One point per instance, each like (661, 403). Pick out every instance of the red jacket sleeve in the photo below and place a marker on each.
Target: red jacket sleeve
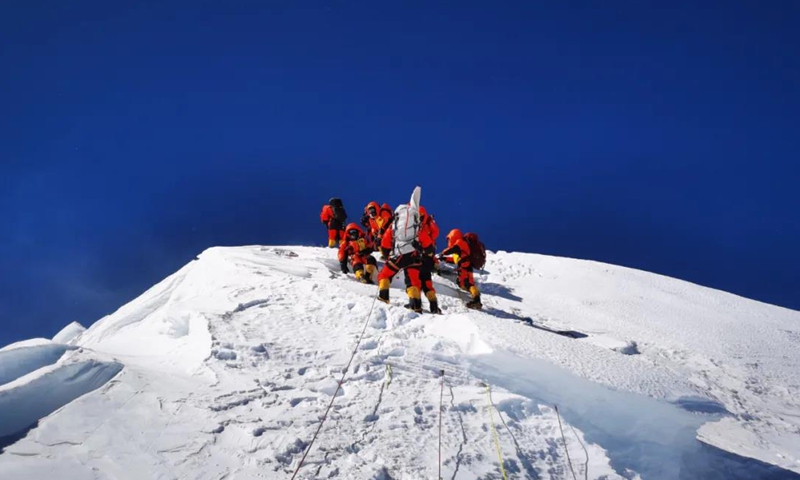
(387, 240)
(343, 251)
(460, 248)
(434, 229)
(425, 241)
(327, 214)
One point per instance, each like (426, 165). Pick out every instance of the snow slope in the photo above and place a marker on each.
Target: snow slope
(224, 369)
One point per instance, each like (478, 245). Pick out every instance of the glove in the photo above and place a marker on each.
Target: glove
(343, 264)
(429, 251)
(440, 257)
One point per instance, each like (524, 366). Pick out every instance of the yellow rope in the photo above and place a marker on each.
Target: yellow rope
(494, 431)
(388, 375)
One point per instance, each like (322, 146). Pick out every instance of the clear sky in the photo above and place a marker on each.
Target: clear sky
(663, 136)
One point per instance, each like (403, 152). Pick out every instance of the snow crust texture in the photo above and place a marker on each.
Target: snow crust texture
(225, 368)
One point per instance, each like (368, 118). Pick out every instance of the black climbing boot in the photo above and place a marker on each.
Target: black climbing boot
(435, 307)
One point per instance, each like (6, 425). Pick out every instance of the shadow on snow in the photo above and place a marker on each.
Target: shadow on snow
(651, 437)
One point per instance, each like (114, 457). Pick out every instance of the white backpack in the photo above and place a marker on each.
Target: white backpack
(406, 228)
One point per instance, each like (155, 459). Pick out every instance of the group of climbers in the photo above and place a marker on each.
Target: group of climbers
(406, 240)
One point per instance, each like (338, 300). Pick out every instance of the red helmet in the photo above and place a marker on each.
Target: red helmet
(422, 212)
(454, 235)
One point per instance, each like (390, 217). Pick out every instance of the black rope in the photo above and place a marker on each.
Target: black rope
(338, 387)
(586, 464)
(565, 444)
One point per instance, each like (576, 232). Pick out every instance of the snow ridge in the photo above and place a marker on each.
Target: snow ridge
(224, 369)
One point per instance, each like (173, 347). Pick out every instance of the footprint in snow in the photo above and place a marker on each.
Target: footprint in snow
(378, 319)
(259, 349)
(396, 352)
(224, 354)
(329, 387)
(297, 401)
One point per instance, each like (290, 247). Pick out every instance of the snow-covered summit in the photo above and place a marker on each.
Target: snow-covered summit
(224, 369)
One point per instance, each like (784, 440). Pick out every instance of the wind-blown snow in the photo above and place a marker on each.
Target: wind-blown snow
(69, 333)
(22, 358)
(29, 398)
(224, 369)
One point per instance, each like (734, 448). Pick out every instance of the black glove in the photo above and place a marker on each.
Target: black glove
(440, 257)
(343, 264)
(429, 251)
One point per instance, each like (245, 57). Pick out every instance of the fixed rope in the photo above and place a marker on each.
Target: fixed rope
(441, 396)
(338, 387)
(513, 437)
(558, 416)
(586, 452)
(388, 375)
(494, 431)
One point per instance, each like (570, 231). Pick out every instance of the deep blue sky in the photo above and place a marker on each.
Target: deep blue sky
(133, 134)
